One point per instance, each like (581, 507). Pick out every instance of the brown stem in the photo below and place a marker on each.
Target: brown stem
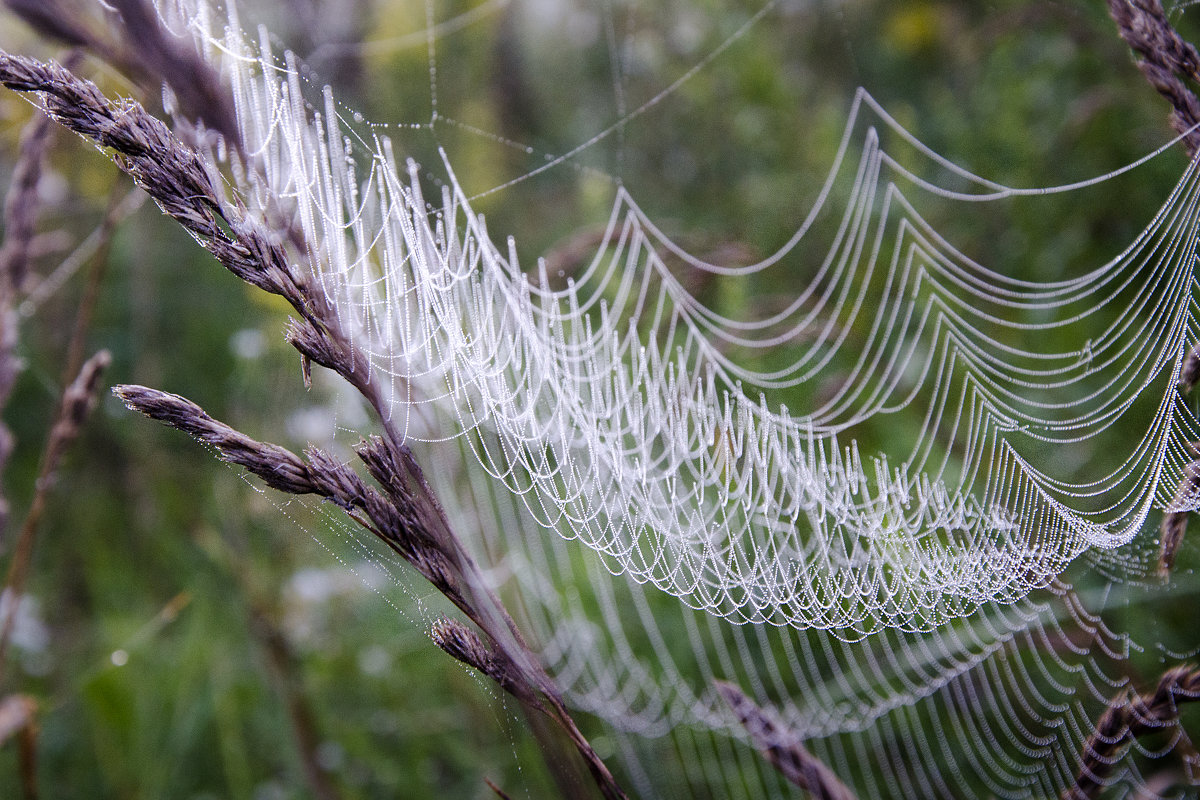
(77, 401)
(18, 717)
(1168, 62)
(402, 520)
(27, 756)
(1174, 524)
(783, 749)
(183, 184)
(300, 715)
(133, 41)
(91, 292)
(496, 790)
(16, 712)
(282, 663)
(21, 207)
(1125, 719)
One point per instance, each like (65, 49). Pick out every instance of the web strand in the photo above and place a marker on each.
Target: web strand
(621, 440)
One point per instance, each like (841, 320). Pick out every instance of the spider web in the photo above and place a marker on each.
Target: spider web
(894, 506)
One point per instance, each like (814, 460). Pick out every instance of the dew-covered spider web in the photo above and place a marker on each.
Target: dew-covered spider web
(896, 491)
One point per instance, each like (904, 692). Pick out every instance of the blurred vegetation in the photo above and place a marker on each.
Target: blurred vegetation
(157, 572)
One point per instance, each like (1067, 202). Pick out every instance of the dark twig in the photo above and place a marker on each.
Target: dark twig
(91, 292)
(401, 522)
(16, 711)
(174, 175)
(128, 35)
(465, 645)
(162, 58)
(408, 518)
(500, 793)
(89, 251)
(53, 20)
(1189, 372)
(1174, 524)
(76, 402)
(1126, 719)
(27, 756)
(317, 473)
(18, 717)
(783, 749)
(1167, 61)
(21, 206)
(282, 662)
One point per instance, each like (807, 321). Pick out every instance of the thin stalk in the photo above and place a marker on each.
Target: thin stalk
(74, 407)
(407, 516)
(1125, 719)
